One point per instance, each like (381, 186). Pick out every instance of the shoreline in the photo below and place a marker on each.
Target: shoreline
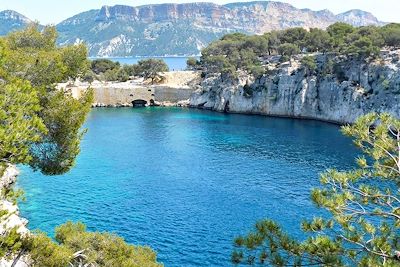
(176, 105)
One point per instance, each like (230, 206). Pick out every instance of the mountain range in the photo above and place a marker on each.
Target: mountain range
(180, 29)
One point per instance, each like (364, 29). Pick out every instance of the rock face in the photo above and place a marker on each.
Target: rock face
(184, 29)
(340, 91)
(11, 20)
(180, 29)
(358, 17)
(12, 218)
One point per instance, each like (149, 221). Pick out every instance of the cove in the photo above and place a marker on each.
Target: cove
(186, 182)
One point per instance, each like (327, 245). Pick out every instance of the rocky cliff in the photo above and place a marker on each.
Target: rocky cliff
(184, 29)
(11, 20)
(180, 29)
(339, 90)
(12, 218)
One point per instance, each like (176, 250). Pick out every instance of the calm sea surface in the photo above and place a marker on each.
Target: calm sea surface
(186, 182)
(174, 63)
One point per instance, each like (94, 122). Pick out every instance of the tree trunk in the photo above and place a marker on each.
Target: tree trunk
(18, 257)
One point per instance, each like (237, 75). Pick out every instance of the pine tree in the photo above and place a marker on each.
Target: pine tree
(363, 228)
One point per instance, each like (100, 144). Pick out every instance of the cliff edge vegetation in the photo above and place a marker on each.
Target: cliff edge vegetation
(334, 75)
(238, 51)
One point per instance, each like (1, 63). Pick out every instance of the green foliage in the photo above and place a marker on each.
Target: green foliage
(294, 36)
(32, 39)
(11, 242)
(273, 41)
(257, 71)
(339, 32)
(108, 70)
(364, 42)
(238, 51)
(234, 52)
(99, 66)
(288, 49)
(45, 252)
(63, 116)
(391, 34)
(76, 246)
(74, 59)
(192, 63)
(151, 68)
(120, 75)
(364, 206)
(21, 125)
(40, 124)
(12, 195)
(89, 76)
(318, 40)
(131, 70)
(309, 64)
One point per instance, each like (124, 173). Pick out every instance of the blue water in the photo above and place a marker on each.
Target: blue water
(186, 182)
(174, 63)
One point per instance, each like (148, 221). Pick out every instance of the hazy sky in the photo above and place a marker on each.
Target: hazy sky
(54, 11)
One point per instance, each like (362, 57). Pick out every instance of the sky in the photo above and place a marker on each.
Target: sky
(54, 11)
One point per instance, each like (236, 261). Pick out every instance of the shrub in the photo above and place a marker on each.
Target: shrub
(192, 63)
(89, 76)
(151, 68)
(309, 64)
(99, 66)
(75, 246)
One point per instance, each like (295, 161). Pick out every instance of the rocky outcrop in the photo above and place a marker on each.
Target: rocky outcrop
(12, 218)
(340, 90)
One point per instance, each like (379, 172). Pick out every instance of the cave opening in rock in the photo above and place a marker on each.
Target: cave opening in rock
(137, 103)
(226, 108)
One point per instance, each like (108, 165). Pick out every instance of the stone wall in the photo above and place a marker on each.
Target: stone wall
(171, 94)
(177, 86)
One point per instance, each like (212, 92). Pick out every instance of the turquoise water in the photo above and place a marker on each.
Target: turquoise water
(174, 63)
(186, 182)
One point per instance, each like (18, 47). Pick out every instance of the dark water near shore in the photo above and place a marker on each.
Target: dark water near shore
(186, 182)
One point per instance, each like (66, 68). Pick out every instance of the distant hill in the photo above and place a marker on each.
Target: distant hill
(11, 20)
(184, 29)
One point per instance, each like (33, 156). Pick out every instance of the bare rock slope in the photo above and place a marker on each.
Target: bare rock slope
(184, 29)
